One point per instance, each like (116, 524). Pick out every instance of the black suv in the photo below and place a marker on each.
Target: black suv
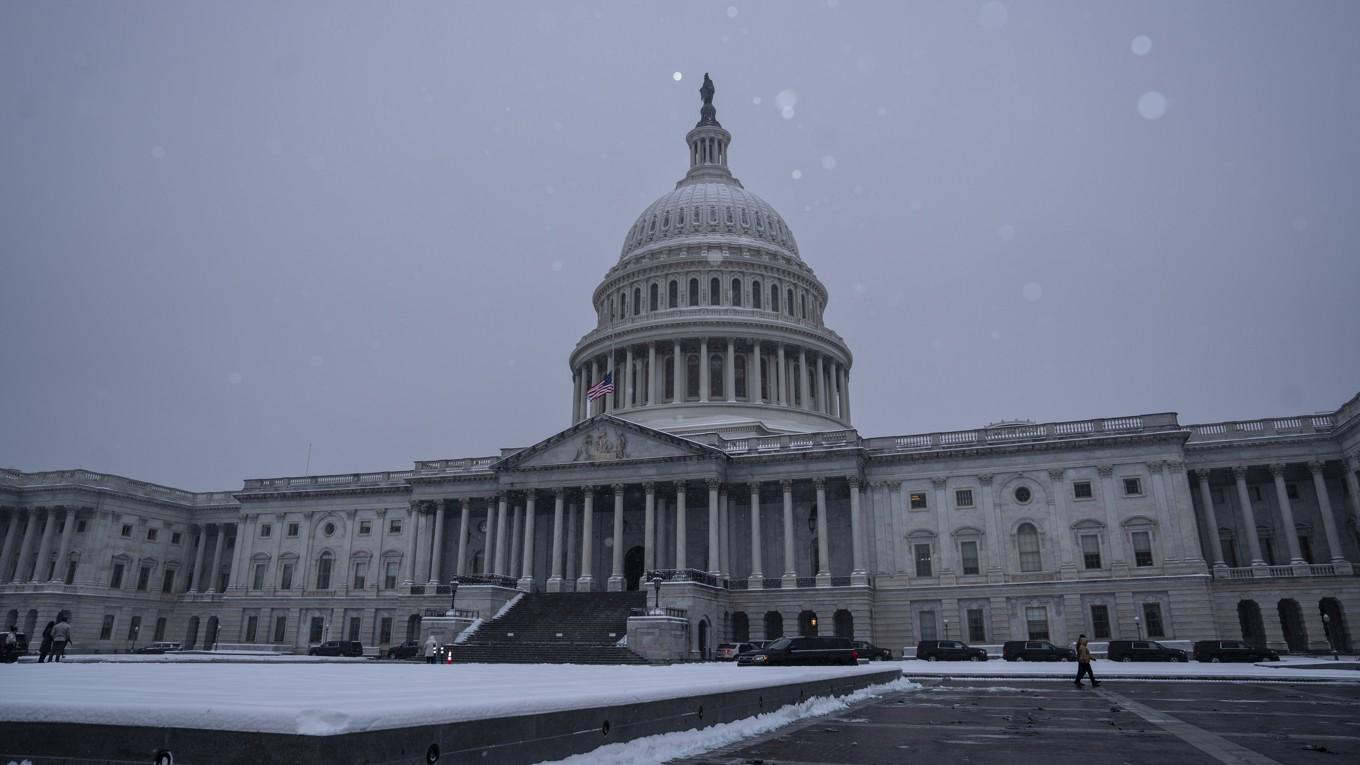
(1035, 650)
(338, 648)
(870, 651)
(407, 650)
(1231, 650)
(802, 650)
(1142, 650)
(948, 650)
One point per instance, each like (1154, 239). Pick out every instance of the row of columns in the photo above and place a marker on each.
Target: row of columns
(833, 390)
(25, 564)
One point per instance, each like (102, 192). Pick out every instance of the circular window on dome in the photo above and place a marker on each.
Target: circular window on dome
(330, 529)
(1022, 494)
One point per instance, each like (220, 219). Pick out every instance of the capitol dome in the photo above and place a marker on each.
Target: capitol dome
(711, 322)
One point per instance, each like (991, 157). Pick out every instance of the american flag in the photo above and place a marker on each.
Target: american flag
(602, 388)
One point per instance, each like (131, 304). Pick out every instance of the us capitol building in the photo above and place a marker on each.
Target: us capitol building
(726, 462)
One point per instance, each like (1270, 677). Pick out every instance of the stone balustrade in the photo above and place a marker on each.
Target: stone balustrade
(91, 479)
(1284, 426)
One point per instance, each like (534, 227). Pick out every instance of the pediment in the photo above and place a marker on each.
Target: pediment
(603, 439)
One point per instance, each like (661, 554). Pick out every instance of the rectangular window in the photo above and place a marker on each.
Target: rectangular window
(1142, 548)
(292, 529)
(80, 526)
(134, 627)
(1229, 551)
(927, 627)
(286, 577)
(977, 626)
(365, 528)
(127, 530)
(1030, 559)
(385, 630)
(918, 500)
(168, 581)
(151, 534)
(176, 538)
(1090, 550)
(390, 575)
(1133, 487)
(280, 628)
(252, 623)
(963, 497)
(394, 526)
(353, 628)
(159, 634)
(323, 573)
(1267, 551)
(1082, 490)
(1255, 492)
(71, 572)
(1152, 619)
(314, 632)
(106, 629)
(968, 552)
(1036, 622)
(257, 578)
(116, 582)
(1291, 490)
(923, 560)
(266, 530)
(1100, 622)
(1306, 548)
(360, 577)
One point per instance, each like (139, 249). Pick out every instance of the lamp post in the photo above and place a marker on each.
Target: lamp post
(1138, 626)
(946, 629)
(1327, 630)
(453, 596)
(656, 603)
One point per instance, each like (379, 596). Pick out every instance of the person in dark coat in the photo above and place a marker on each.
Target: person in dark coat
(9, 645)
(1084, 662)
(61, 636)
(45, 649)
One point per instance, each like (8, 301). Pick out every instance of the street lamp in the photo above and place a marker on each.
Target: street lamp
(453, 595)
(946, 629)
(1138, 625)
(1327, 630)
(656, 603)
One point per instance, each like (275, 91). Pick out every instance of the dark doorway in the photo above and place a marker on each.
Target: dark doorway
(844, 622)
(632, 567)
(1253, 626)
(703, 640)
(1334, 619)
(807, 623)
(741, 627)
(774, 625)
(210, 634)
(1291, 623)
(191, 633)
(413, 627)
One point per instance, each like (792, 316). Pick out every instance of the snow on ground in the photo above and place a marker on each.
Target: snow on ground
(1287, 668)
(326, 699)
(220, 657)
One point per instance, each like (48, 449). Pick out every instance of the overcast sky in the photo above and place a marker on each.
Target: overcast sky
(229, 230)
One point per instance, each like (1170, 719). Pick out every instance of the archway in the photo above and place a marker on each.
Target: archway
(30, 622)
(1291, 623)
(1252, 625)
(632, 567)
(703, 640)
(1335, 622)
(774, 625)
(413, 627)
(12, 619)
(191, 633)
(210, 634)
(741, 627)
(844, 623)
(807, 623)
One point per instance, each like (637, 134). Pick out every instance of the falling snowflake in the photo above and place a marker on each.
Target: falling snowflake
(1006, 232)
(797, 174)
(677, 76)
(1032, 291)
(1152, 105)
(731, 11)
(1142, 45)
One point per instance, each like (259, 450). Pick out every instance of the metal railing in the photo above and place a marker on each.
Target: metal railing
(497, 580)
(678, 613)
(686, 575)
(1282, 572)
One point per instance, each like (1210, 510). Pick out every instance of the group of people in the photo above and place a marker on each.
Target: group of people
(55, 637)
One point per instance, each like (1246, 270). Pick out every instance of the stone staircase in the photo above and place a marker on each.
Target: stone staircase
(557, 628)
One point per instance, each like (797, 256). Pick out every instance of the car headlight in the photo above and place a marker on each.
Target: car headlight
(760, 659)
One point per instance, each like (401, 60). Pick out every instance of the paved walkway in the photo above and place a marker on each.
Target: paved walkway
(1051, 722)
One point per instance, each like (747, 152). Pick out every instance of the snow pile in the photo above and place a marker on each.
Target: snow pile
(1290, 668)
(468, 631)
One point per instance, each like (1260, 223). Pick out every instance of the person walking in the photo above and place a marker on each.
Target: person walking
(61, 637)
(431, 645)
(1084, 662)
(45, 648)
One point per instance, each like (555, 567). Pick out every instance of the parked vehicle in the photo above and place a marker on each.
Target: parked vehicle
(802, 650)
(870, 651)
(1142, 650)
(408, 650)
(730, 651)
(1231, 650)
(1035, 650)
(948, 650)
(159, 647)
(338, 648)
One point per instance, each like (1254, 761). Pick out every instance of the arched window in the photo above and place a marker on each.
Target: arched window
(729, 215)
(692, 376)
(760, 225)
(796, 381)
(745, 219)
(741, 627)
(1027, 541)
(697, 217)
(739, 371)
(716, 387)
(673, 295)
(694, 292)
(680, 217)
(765, 381)
(736, 292)
(713, 214)
(807, 623)
(814, 384)
(666, 220)
(323, 571)
(668, 378)
(774, 625)
(637, 300)
(802, 303)
(844, 622)
(652, 227)
(788, 303)
(755, 294)
(652, 297)
(774, 298)
(623, 303)
(611, 308)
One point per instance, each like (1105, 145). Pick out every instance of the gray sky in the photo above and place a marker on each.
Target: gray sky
(231, 229)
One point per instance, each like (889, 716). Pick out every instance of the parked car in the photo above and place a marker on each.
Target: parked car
(338, 648)
(730, 651)
(1232, 650)
(1035, 650)
(802, 650)
(408, 650)
(870, 651)
(948, 650)
(1142, 650)
(160, 646)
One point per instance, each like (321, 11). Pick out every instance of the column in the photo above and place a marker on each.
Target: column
(614, 377)
(488, 542)
(996, 547)
(421, 552)
(790, 563)
(858, 574)
(1248, 514)
(7, 551)
(757, 579)
(678, 371)
(502, 567)
(576, 395)
(1114, 533)
(845, 395)
(730, 372)
(465, 511)
(593, 407)
(26, 547)
(802, 402)
(1183, 505)
(516, 537)
(585, 582)
(942, 525)
(724, 549)
(782, 389)
(821, 387)
(651, 374)
(437, 544)
(68, 518)
(195, 574)
(1206, 500)
(570, 570)
(704, 392)
(615, 583)
(45, 546)
(680, 531)
(1057, 499)
(1349, 467)
(239, 576)
(217, 558)
(555, 578)
(628, 399)
(1172, 543)
(649, 530)
(714, 562)
(755, 376)
(526, 573)
(1291, 531)
(823, 544)
(1328, 520)
(833, 398)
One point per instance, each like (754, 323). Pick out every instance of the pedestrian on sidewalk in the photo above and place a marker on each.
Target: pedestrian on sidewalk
(1084, 662)
(61, 636)
(431, 646)
(45, 648)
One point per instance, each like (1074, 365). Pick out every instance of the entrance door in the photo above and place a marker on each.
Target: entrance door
(632, 567)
